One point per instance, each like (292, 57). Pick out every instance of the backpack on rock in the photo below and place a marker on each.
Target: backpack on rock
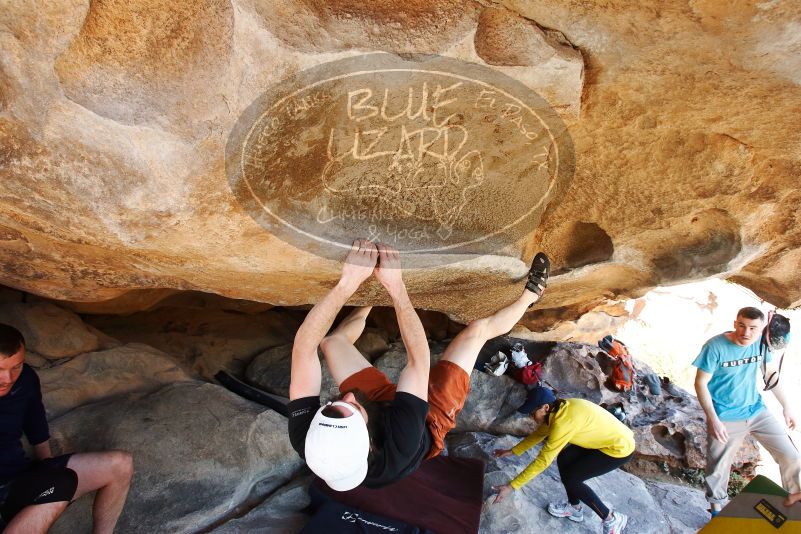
(623, 372)
(528, 375)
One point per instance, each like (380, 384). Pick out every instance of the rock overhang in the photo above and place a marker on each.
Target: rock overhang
(684, 167)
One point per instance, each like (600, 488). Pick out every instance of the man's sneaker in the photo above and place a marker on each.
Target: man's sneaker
(615, 523)
(565, 509)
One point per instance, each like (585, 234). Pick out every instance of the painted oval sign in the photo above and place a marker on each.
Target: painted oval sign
(429, 154)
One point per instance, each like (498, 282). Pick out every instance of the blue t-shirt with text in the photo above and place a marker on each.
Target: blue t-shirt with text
(734, 370)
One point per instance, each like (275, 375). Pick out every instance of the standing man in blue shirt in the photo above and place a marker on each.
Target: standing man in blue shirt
(726, 384)
(34, 493)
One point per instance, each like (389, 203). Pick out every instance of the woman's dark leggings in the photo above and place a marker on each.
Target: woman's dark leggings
(576, 465)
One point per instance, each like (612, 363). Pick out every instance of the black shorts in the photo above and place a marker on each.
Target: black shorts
(45, 482)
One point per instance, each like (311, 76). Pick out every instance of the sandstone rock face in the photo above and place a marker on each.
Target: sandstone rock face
(114, 119)
(504, 38)
(114, 42)
(199, 451)
(143, 300)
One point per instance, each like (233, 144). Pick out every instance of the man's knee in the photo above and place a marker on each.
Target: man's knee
(791, 463)
(105, 467)
(330, 343)
(121, 464)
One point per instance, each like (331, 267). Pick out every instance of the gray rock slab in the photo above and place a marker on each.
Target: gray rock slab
(524, 511)
(199, 453)
(685, 507)
(270, 371)
(95, 376)
(280, 513)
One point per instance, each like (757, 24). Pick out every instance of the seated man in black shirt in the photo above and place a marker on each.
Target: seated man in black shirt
(34, 494)
(378, 432)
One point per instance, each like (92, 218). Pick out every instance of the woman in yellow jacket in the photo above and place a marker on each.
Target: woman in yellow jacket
(586, 441)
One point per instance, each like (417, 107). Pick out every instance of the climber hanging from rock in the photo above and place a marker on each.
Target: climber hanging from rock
(378, 432)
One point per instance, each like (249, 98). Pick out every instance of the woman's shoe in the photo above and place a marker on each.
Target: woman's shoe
(565, 509)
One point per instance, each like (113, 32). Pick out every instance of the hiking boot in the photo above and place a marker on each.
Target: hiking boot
(615, 523)
(565, 509)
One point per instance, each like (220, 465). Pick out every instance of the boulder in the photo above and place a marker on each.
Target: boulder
(96, 376)
(490, 407)
(271, 369)
(280, 513)
(207, 338)
(372, 343)
(38, 362)
(524, 511)
(49, 330)
(199, 453)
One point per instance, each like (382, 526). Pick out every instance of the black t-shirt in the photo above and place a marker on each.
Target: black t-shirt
(21, 410)
(402, 443)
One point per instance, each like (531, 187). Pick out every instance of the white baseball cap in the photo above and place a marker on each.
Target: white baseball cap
(337, 448)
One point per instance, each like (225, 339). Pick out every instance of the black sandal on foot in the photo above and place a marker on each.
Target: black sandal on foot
(538, 274)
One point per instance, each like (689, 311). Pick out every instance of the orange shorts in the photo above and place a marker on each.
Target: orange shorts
(448, 386)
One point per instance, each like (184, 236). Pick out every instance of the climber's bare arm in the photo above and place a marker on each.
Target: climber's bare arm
(306, 374)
